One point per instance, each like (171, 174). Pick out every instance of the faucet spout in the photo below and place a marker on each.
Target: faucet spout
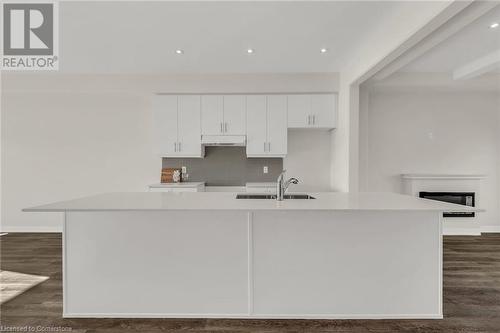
(282, 185)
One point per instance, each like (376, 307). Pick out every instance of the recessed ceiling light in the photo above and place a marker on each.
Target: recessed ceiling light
(323, 50)
(494, 25)
(179, 51)
(249, 51)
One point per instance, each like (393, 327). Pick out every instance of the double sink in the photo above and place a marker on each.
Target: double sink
(273, 196)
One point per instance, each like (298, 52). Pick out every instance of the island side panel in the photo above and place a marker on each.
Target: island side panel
(156, 264)
(351, 264)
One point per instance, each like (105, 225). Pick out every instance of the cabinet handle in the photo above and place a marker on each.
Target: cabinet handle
(225, 127)
(221, 130)
(180, 149)
(175, 146)
(265, 147)
(269, 146)
(314, 119)
(309, 120)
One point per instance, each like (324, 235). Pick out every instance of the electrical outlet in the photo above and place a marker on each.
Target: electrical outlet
(184, 169)
(266, 170)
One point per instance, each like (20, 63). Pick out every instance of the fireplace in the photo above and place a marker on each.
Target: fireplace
(460, 198)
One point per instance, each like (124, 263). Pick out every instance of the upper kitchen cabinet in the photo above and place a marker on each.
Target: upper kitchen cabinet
(223, 115)
(266, 126)
(189, 126)
(312, 111)
(177, 125)
(235, 115)
(212, 115)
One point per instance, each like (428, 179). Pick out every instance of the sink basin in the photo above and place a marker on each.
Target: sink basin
(298, 196)
(273, 196)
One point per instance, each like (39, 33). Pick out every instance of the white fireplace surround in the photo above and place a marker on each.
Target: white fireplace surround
(413, 184)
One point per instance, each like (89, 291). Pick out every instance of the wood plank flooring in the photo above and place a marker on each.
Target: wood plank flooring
(471, 296)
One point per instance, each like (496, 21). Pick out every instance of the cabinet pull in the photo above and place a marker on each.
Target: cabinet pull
(265, 147)
(221, 130)
(180, 149)
(309, 120)
(225, 127)
(314, 119)
(269, 146)
(175, 146)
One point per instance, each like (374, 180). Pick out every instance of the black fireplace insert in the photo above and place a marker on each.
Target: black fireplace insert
(460, 198)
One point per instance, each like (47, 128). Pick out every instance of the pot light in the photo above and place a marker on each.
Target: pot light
(179, 51)
(249, 51)
(323, 50)
(494, 25)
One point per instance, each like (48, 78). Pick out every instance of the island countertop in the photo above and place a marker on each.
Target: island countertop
(335, 201)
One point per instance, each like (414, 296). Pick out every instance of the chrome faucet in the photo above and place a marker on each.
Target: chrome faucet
(282, 185)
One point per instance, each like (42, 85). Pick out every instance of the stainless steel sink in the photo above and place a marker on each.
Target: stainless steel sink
(273, 196)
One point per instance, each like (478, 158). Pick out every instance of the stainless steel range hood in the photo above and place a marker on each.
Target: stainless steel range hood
(224, 140)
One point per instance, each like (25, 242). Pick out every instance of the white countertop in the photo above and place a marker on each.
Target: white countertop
(219, 188)
(129, 201)
(440, 176)
(174, 185)
(265, 184)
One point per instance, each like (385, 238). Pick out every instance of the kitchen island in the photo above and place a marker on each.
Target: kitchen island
(209, 255)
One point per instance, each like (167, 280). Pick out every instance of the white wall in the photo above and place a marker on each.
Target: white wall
(401, 30)
(426, 131)
(340, 146)
(149, 84)
(63, 146)
(498, 168)
(68, 136)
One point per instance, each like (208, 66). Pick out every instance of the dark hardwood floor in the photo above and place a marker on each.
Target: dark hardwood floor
(471, 296)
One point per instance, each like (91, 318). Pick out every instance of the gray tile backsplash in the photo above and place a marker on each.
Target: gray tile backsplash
(227, 166)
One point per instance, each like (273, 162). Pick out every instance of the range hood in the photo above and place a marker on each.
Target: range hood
(224, 140)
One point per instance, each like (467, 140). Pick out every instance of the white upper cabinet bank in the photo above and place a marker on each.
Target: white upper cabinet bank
(177, 125)
(180, 121)
(312, 111)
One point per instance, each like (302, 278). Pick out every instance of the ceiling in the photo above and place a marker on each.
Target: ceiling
(471, 43)
(141, 37)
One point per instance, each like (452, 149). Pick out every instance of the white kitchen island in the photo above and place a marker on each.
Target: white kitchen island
(341, 255)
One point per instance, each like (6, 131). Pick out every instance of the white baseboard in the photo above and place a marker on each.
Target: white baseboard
(461, 232)
(254, 316)
(490, 228)
(5, 228)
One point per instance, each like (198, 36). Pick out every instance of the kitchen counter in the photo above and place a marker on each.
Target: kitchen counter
(330, 201)
(210, 255)
(177, 185)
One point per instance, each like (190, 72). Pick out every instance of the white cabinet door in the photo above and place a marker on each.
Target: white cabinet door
(189, 126)
(323, 110)
(212, 115)
(234, 114)
(312, 111)
(256, 125)
(277, 125)
(165, 125)
(299, 111)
